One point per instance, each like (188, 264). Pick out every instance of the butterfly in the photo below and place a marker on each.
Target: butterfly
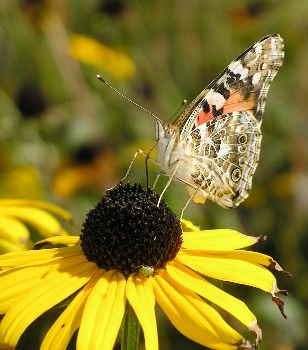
(213, 146)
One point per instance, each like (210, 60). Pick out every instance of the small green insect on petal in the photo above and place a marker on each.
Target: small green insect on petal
(146, 270)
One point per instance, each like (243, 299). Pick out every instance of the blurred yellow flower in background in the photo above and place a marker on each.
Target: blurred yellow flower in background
(23, 181)
(93, 166)
(88, 50)
(16, 213)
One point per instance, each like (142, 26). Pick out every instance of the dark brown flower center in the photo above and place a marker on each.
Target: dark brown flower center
(126, 231)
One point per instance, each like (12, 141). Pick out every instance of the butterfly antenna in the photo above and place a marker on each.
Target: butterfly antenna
(100, 78)
(181, 106)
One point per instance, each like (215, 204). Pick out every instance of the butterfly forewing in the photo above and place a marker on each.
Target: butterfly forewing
(217, 145)
(243, 85)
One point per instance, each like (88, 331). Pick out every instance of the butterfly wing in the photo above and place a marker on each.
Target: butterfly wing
(223, 123)
(243, 85)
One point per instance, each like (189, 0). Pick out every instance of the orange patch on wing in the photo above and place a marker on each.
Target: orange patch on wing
(236, 103)
(204, 117)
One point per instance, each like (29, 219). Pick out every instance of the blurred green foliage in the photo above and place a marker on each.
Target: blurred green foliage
(65, 137)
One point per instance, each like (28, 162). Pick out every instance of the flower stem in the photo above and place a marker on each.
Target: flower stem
(130, 330)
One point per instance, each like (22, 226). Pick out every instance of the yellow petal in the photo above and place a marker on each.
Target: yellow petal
(16, 283)
(49, 293)
(192, 316)
(69, 321)
(196, 197)
(7, 246)
(44, 222)
(13, 230)
(139, 292)
(37, 257)
(249, 256)
(39, 204)
(103, 313)
(189, 226)
(90, 51)
(190, 280)
(58, 240)
(222, 239)
(225, 269)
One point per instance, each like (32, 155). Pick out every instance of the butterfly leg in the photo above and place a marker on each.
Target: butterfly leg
(168, 183)
(131, 164)
(157, 178)
(187, 203)
(147, 157)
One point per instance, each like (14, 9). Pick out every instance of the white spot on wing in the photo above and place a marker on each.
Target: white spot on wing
(244, 73)
(233, 66)
(223, 150)
(258, 48)
(216, 99)
(273, 47)
(237, 68)
(256, 78)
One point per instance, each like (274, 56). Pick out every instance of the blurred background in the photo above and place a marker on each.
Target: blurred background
(65, 137)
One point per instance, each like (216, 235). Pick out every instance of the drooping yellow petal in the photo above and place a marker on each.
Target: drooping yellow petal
(41, 220)
(190, 280)
(69, 321)
(41, 299)
(90, 51)
(222, 239)
(13, 230)
(192, 316)
(140, 294)
(226, 269)
(58, 240)
(37, 257)
(39, 204)
(103, 313)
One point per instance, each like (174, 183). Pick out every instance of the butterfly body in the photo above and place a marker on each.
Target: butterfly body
(213, 147)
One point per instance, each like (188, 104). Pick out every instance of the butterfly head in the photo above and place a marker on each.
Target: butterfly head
(165, 131)
(167, 136)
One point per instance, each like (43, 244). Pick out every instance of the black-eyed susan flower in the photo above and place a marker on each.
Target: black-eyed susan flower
(133, 254)
(15, 213)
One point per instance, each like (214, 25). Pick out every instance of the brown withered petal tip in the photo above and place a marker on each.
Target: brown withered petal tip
(258, 331)
(274, 265)
(245, 344)
(283, 292)
(280, 305)
(261, 238)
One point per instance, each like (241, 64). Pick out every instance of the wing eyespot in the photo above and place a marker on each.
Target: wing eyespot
(242, 139)
(242, 149)
(242, 161)
(236, 174)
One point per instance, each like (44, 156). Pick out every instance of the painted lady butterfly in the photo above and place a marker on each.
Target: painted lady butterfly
(213, 147)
